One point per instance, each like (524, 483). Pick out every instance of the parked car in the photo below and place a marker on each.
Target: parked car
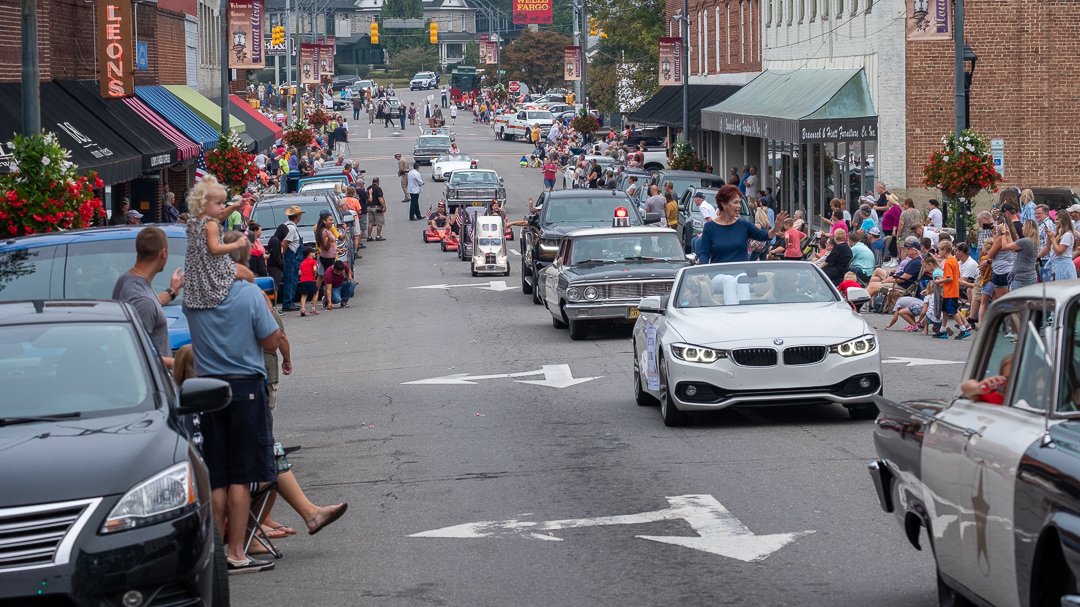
(423, 81)
(754, 333)
(270, 213)
(681, 180)
(1055, 198)
(600, 275)
(990, 470)
(106, 500)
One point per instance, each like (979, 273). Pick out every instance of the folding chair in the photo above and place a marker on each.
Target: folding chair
(260, 503)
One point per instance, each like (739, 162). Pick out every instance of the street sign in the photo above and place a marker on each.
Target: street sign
(142, 56)
(514, 86)
(494, 285)
(718, 531)
(997, 152)
(555, 376)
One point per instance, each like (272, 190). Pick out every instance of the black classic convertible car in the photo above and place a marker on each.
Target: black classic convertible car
(993, 475)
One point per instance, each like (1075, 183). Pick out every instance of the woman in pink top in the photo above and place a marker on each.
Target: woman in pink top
(793, 238)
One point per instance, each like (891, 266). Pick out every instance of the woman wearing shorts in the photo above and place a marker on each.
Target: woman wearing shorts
(324, 236)
(1001, 260)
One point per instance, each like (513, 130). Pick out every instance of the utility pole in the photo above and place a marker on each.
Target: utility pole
(577, 42)
(224, 67)
(31, 74)
(289, 47)
(685, 52)
(584, 54)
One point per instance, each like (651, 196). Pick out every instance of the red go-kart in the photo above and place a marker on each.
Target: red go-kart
(449, 242)
(433, 234)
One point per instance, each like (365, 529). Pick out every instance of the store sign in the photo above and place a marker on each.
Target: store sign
(116, 52)
(671, 67)
(837, 132)
(571, 63)
(792, 131)
(160, 160)
(246, 35)
(528, 12)
(142, 56)
(929, 20)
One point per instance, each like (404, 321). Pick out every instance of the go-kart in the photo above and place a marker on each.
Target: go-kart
(449, 242)
(433, 234)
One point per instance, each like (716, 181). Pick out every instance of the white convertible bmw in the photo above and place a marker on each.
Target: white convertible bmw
(447, 163)
(750, 334)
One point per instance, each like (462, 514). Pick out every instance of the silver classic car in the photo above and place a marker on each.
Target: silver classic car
(600, 275)
(474, 188)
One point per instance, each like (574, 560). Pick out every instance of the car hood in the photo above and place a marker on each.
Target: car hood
(630, 271)
(725, 326)
(562, 229)
(179, 332)
(453, 164)
(82, 458)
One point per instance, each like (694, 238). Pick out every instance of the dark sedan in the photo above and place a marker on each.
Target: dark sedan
(600, 275)
(992, 473)
(106, 500)
(430, 147)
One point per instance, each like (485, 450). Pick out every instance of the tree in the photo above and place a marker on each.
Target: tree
(632, 31)
(472, 54)
(416, 59)
(536, 58)
(402, 9)
(395, 40)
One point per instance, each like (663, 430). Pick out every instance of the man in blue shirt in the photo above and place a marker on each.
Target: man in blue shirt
(228, 343)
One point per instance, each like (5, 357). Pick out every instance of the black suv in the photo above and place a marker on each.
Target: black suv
(560, 212)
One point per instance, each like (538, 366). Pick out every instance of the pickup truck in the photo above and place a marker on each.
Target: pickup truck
(556, 214)
(516, 126)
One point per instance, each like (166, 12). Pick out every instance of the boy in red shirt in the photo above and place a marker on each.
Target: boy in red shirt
(950, 290)
(307, 287)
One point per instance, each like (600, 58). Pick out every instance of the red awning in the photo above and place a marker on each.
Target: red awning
(257, 115)
(186, 148)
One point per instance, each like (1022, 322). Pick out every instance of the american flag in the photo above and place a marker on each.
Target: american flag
(200, 168)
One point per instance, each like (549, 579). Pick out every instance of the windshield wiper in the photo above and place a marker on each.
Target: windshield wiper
(9, 421)
(589, 261)
(643, 258)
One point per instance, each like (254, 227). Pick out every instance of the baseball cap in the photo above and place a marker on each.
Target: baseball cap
(324, 213)
(134, 214)
(912, 245)
(700, 195)
(1073, 209)
(293, 210)
(875, 231)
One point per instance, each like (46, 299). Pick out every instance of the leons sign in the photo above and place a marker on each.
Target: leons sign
(116, 52)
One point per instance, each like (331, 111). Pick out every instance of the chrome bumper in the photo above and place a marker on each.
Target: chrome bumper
(879, 473)
(601, 311)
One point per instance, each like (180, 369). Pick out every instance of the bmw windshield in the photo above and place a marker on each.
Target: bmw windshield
(718, 285)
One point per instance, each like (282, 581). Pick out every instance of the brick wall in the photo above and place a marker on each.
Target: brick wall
(172, 47)
(147, 31)
(1024, 89)
(71, 33)
(735, 40)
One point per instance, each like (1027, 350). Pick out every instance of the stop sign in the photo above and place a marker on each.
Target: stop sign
(515, 86)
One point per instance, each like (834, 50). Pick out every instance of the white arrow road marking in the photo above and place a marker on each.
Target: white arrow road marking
(719, 532)
(920, 362)
(494, 285)
(555, 376)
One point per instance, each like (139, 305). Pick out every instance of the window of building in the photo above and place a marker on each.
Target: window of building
(839, 8)
(716, 36)
(854, 7)
(825, 9)
(727, 17)
(869, 5)
(742, 31)
(813, 10)
(768, 13)
(790, 11)
(703, 17)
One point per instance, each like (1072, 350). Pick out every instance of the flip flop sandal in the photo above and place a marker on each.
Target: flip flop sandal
(335, 515)
(279, 532)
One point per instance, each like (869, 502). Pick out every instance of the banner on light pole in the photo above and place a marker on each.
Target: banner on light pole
(572, 63)
(246, 35)
(309, 63)
(670, 68)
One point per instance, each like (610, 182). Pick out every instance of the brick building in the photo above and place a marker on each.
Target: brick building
(1023, 91)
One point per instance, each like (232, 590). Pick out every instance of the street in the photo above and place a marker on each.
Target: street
(518, 426)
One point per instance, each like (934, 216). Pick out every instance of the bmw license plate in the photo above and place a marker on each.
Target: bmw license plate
(633, 313)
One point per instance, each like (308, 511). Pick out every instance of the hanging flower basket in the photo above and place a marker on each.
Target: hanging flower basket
(299, 135)
(684, 158)
(962, 167)
(319, 119)
(42, 192)
(233, 166)
(585, 123)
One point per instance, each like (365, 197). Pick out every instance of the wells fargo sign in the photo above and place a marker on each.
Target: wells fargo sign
(527, 12)
(116, 49)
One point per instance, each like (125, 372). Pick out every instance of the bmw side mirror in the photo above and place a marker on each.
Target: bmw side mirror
(859, 295)
(203, 395)
(651, 305)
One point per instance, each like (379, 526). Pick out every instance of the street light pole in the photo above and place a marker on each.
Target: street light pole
(31, 74)
(685, 51)
(224, 67)
(960, 111)
(584, 55)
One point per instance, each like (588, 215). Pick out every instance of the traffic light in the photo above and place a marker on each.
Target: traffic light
(433, 33)
(374, 32)
(594, 29)
(277, 35)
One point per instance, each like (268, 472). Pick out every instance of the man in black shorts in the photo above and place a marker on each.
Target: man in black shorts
(228, 343)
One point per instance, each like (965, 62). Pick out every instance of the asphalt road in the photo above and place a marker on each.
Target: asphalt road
(414, 458)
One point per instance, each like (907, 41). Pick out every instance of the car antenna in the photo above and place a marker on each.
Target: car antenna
(1046, 441)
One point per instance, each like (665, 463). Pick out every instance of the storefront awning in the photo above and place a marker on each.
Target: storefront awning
(260, 127)
(157, 151)
(665, 108)
(798, 106)
(93, 145)
(206, 109)
(179, 115)
(186, 149)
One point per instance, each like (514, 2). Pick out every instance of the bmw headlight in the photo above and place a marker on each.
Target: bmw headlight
(863, 344)
(162, 496)
(573, 294)
(591, 293)
(697, 354)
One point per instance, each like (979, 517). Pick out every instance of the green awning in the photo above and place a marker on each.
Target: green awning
(798, 106)
(204, 108)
